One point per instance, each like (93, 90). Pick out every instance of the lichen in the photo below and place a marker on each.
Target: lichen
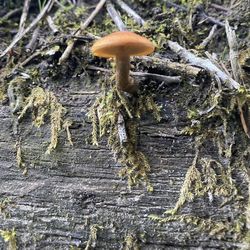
(10, 237)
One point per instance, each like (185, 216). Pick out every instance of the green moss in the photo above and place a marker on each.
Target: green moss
(131, 242)
(4, 204)
(10, 237)
(92, 236)
(219, 228)
(104, 116)
(44, 103)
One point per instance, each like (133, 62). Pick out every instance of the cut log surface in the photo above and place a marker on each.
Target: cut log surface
(75, 187)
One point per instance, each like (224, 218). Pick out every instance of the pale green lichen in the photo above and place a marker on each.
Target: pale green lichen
(9, 236)
(4, 204)
(131, 242)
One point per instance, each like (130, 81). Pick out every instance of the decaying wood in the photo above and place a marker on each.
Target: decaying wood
(204, 63)
(115, 16)
(74, 198)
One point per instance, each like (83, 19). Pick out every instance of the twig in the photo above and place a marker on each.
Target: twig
(209, 37)
(32, 43)
(236, 69)
(10, 14)
(29, 28)
(23, 17)
(233, 53)
(115, 16)
(27, 60)
(211, 19)
(203, 63)
(52, 25)
(167, 79)
(122, 129)
(71, 43)
(202, 14)
(131, 12)
(219, 7)
(166, 64)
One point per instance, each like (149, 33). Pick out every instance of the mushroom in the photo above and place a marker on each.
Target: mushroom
(121, 45)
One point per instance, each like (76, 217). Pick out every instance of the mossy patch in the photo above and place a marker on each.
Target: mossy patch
(104, 116)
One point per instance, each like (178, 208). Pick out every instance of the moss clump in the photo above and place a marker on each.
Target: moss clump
(92, 236)
(44, 103)
(131, 243)
(4, 204)
(10, 237)
(216, 228)
(104, 116)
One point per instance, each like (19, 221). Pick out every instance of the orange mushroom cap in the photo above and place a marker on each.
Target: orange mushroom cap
(122, 43)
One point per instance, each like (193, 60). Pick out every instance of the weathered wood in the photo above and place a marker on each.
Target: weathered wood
(74, 187)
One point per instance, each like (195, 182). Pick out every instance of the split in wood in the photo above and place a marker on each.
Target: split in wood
(167, 79)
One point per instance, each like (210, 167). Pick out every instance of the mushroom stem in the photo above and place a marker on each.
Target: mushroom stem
(122, 74)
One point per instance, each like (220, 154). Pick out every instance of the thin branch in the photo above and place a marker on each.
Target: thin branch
(32, 43)
(10, 14)
(203, 63)
(166, 64)
(209, 37)
(23, 16)
(115, 16)
(233, 52)
(131, 12)
(211, 19)
(29, 28)
(71, 43)
(219, 7)
(167, 79)
(236, 69)
(52, 25)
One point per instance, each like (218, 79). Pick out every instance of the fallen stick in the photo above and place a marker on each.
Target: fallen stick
(237, 74)
(166, 64)
(203, 63)
(167, 79)
(23, 17)
(131, 12)
(71, 43)
(29, 28)
(52, 25)
(32, 43)
(115, 16)
(209, 37)
(10, 14)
